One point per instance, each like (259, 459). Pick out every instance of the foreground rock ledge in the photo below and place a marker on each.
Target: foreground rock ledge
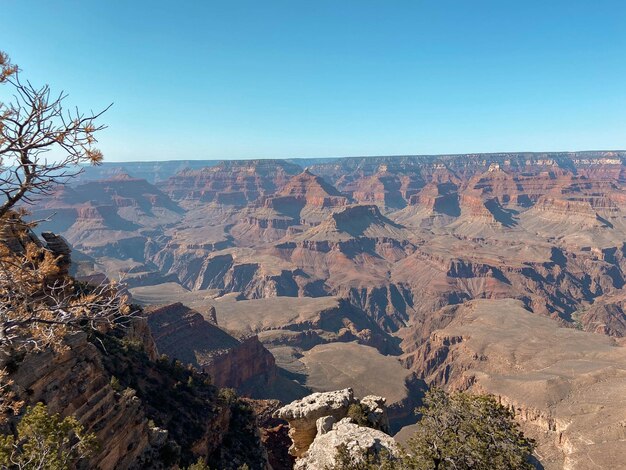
(325, 413)
(303, 415)
(321, 453)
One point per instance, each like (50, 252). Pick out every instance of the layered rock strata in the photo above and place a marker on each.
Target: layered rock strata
(564, 385)
(184, 334)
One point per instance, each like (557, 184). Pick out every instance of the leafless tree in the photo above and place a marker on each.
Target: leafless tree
(38, 307)
(33, 124)
(39, 302)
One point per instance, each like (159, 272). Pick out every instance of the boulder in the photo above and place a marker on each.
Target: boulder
(303, 415)
(357, 439)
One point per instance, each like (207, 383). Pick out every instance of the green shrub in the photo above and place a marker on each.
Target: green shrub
(46, 442)
(115, 384)
(199, 465)
(457, 431)
(358, 414)
(228, 396)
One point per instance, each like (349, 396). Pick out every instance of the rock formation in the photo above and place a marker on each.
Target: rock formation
(318, 424)
(561, 382)
(303, 415)
(182, 333)
(76, 382)
(233, 183)
(357, 439)
(190, 422)
(60, 249)
(320, 413)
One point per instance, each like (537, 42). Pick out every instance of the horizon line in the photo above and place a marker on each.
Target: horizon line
(373, 156)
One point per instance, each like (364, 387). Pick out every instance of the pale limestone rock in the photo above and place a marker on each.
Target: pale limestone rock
(321, 453)
(325, 424)
(376, 411)
(303, 415)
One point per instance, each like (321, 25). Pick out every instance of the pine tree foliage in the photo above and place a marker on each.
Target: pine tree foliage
(457, 431)
(46, 442)
(465, 431)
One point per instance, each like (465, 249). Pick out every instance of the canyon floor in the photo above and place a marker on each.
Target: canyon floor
(497, 273)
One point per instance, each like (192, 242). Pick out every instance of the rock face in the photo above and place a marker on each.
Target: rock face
(60, 249)
(308, 189)
(606, 316)
(376, 411)
(184, 334)
(318, 425)
(79, 382)
(274, 434)
(14, 235)
(304, 201)
(248, 367)
(234, 183)
(76, 382)
(321, 453)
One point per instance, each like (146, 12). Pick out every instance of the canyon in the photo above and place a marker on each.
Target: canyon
(496, 273)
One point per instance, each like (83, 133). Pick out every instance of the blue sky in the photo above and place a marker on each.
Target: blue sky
(246, 79)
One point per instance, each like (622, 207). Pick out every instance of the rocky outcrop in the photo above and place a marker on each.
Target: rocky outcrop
(311, 190)
(303, 414)
(138, 330)
(304, 201)
(357, 439)
(15, 235)
(319, 423)
(388, 306)
(274, 433)
(320, 413)
(389, 187)
(183, 334)
(246, 367)
(374, 408)
(77, 383)
(60, 249)
(145, 414)
(606, 316)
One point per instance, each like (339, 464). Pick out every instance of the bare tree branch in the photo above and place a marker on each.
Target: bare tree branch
(34, 123)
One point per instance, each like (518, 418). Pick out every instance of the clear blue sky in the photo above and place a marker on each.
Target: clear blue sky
(244, 79)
